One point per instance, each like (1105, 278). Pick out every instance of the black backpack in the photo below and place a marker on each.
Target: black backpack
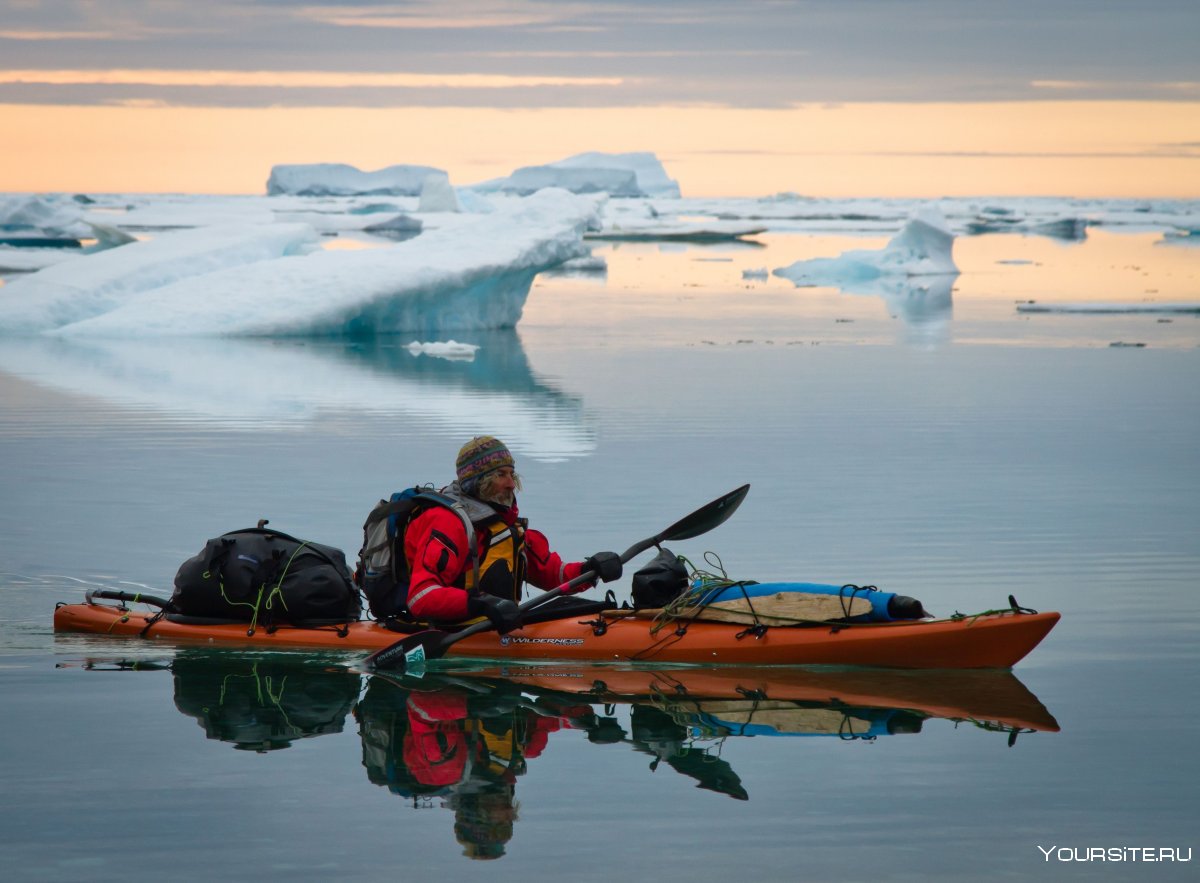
(267, 578)
(660, 582)
(383, 572)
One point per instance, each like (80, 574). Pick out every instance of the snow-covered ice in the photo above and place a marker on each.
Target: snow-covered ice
(77, 290)
(474, 274)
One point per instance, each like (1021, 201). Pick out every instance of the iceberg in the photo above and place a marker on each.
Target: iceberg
(339, 179)
(471, 275)
(923, 248)
(617, 174)
(651, 177)
(614, 182)
(88, 286)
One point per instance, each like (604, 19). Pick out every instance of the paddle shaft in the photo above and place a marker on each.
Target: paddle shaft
(586, 577)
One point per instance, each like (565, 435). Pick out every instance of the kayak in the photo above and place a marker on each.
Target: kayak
(995, 639)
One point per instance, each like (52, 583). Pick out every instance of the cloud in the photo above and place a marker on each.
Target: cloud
(294, 79)
(440, 16)
(1109, 86)
(47, 35)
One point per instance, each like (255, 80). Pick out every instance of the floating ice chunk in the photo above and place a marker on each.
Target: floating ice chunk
(108, 236)
(663, 231)
(471, 275)
(80, 289)
(448, 349)
(50, 216)
(996, 220)
(590, 263)
(437, 195)
(374, 208)
(923, 248)
(400, 227)
(755, 273)
(339, 179)
(1109, 308)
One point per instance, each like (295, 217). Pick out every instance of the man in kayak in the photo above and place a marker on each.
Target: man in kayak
(450, 582)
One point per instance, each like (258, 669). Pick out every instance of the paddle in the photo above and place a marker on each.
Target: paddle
(433, 644)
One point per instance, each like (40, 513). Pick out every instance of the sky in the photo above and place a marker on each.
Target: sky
(821, 97)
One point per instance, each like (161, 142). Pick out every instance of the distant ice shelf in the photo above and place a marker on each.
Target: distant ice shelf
(1107, 308)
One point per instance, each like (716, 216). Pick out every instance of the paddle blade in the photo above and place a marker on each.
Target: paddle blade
(705, 518)
(410, 652)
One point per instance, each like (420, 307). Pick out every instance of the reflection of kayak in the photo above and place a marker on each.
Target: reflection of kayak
(755, 695)
(997, 639)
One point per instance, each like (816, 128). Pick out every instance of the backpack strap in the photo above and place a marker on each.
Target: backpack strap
(407, 504)
(461, 511)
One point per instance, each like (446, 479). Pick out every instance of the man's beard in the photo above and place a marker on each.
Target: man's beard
(499, 498)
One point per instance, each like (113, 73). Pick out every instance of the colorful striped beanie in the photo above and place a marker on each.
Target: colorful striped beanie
(480, 456)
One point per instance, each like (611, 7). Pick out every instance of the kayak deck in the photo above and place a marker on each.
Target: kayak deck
(992, 640)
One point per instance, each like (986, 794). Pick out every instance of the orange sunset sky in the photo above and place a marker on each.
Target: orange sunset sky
(920, 98)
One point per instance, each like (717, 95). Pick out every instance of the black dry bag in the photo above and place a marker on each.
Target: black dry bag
(660, 582)
(266, 577)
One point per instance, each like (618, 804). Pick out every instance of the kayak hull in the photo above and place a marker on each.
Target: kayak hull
(993, 640)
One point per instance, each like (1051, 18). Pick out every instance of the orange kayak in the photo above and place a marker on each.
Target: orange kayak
(997, 639)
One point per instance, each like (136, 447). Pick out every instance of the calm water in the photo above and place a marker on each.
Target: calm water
(937, 444)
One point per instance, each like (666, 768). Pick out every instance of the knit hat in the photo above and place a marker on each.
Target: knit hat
(480, 456)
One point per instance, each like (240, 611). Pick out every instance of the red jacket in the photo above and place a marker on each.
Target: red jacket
(435, 545)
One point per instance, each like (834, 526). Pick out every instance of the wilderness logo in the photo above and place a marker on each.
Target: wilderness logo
(558, 642)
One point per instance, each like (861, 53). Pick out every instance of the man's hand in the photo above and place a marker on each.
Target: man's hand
(606, 565)
(503, 613)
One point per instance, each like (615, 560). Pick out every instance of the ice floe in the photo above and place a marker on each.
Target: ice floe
(474, 274)
(78, 290)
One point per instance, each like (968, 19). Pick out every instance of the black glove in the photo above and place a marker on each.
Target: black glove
(503, 613)
(606, 565)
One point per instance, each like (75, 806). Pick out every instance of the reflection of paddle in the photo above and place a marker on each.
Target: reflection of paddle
(433, 644)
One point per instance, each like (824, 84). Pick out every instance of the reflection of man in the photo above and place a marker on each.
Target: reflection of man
(469, 747)
(479, 752)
